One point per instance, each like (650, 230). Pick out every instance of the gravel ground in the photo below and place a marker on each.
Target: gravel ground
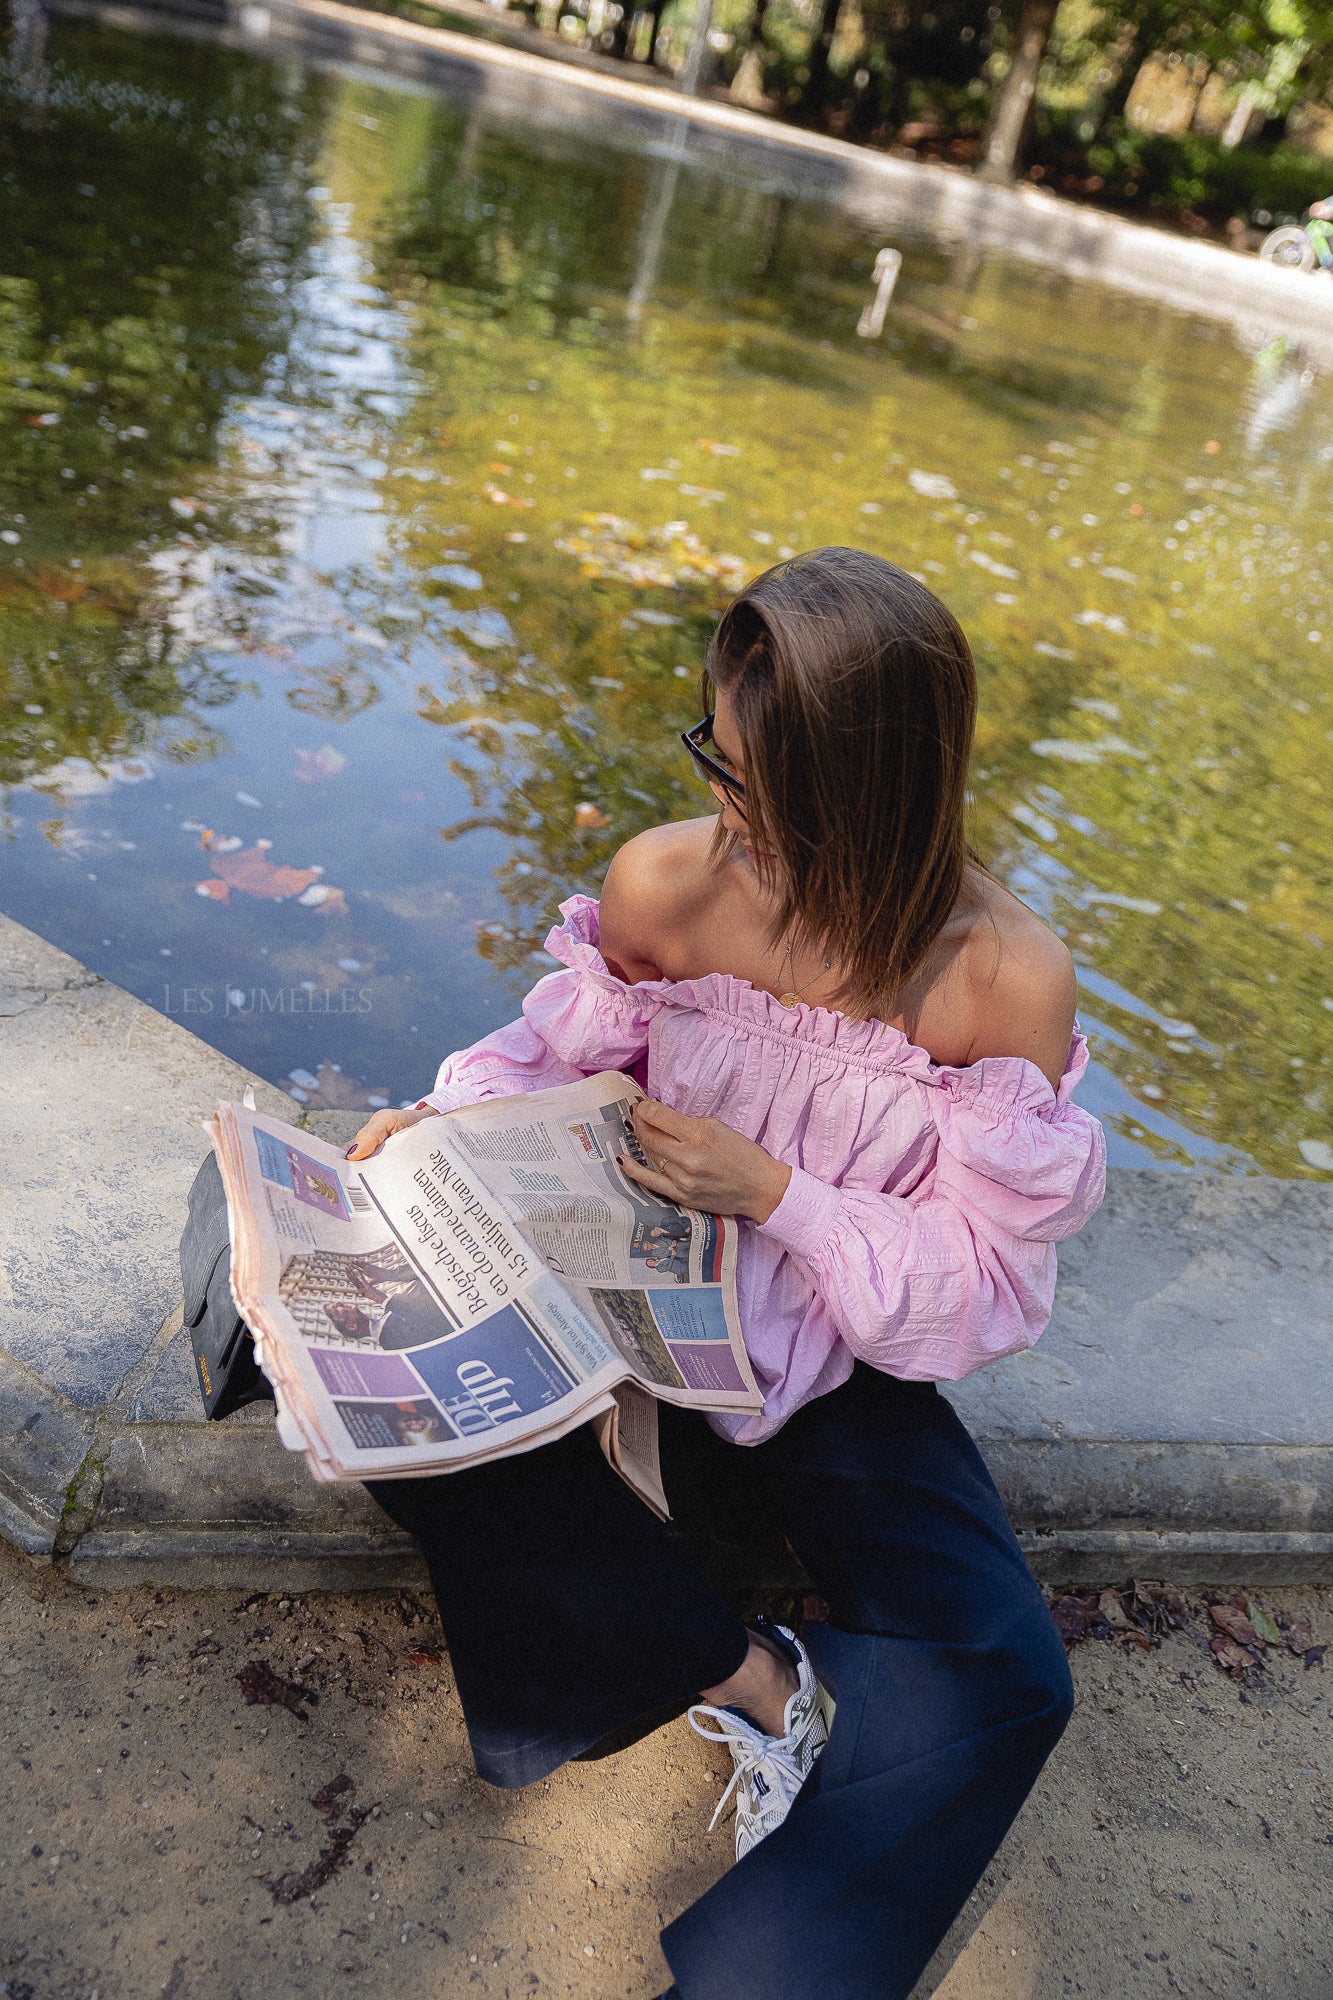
(162, 1836)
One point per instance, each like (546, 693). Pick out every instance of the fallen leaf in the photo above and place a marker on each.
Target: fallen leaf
(1300, 1636)
(330, 1799)
(1230, 1619)
(1263, 1624)
(60, 589)
(313, 766)
(1160, 1606)
(1078, 1618)
(587, 817)
(323, 896)
(291, 1888)
(424, 1656)
(1234, 1659)
(261, 1686)
(253, 872)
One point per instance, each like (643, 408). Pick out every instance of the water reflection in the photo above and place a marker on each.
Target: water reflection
(1279, 390)
(365, 514)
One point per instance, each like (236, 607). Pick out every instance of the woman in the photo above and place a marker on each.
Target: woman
(854, 1038)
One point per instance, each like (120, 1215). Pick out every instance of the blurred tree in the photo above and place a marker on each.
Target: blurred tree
(1274, 50)
(917, 57)
(1011, 109)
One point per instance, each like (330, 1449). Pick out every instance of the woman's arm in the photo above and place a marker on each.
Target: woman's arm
(930, 1290)
(927, 1288)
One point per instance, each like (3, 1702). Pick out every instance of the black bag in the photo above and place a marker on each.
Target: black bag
(224, 1353)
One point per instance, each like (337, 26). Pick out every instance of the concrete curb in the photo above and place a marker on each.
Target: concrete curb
(103, 1452)
(903, 198)
(1176, 1420)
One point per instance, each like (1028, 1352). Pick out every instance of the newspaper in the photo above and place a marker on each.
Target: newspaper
(486, 1282)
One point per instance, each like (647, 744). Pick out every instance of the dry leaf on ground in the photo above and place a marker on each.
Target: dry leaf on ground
(1141, 1614)
(1233, 1622)
(261, 1686)
(1236, 1660)
(331, 1799)
(291, 1888)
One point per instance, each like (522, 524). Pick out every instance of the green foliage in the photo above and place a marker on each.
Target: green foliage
(1179, 172)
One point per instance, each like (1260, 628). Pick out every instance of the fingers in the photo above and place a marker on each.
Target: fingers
(661, 1118)
(375, 1131)
(657, 1183)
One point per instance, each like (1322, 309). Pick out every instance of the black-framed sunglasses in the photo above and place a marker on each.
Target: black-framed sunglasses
(722, 783)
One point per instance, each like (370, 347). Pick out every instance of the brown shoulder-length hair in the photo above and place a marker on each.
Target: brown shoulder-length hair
(855, 696)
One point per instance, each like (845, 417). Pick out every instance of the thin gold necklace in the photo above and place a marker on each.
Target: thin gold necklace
(793, 997)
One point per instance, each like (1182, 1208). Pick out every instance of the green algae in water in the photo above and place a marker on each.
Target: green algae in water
(373, 473)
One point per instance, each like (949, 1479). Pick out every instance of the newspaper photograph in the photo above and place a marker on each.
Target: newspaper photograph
(486, 1282)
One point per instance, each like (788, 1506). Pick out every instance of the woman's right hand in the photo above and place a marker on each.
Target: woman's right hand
(383, 1126)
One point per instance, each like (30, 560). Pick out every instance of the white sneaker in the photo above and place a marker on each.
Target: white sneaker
(770, 1770)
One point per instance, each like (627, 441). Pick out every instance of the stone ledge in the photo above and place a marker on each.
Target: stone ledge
(258, 1559)
(1090, 1557)
(1176, 1419)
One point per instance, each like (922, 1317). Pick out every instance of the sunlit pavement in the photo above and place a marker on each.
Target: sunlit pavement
(160, 1835)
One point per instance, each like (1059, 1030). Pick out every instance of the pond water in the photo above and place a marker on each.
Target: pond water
(373, 471)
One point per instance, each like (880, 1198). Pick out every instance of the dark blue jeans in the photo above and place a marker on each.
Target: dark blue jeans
(573, 1616)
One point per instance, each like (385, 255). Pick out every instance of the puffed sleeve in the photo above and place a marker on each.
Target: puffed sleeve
(961, 1272)
(574, 1022)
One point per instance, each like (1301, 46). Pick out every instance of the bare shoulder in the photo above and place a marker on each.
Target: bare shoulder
(1022, 986)
(652, 887)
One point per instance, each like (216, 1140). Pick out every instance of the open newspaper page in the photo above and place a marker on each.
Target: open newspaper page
(488, 1281)
(389, 1361)
(658, 1281)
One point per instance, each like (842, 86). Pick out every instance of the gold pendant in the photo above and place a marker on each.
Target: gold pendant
(788, 999)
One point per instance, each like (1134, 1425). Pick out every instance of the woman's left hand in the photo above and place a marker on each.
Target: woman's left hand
(702, 1163)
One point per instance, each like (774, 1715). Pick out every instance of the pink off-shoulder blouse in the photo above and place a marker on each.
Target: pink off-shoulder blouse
(919, 1229)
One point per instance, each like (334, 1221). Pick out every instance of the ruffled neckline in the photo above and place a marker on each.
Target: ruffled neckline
(1011, 1082)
